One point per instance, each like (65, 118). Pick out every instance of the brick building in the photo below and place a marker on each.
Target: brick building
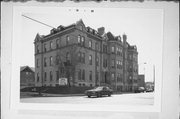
(86, 57)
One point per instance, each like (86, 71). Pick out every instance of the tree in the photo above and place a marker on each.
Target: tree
(67, 59)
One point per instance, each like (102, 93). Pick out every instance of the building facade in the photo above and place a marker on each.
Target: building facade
(141, 80)
(86, 57)
(27, 78)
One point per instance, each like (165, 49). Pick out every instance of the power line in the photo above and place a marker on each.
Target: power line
(37, 21)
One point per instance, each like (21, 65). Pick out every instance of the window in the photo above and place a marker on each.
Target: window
(45, 49)
(27, 73)
(45, 62)
(90, 76)
(51, 76)
(119, 77)
(57, 43)
(57, 75)
(83, 74)
(113, 63)
(79, 56)
(119, 65)
(45, 76)
(37, 77)
(79, 74)
(37, 63)
(112, 49)
(112, 76)
(97, 46)
(82, 41)
(118, 51)
(97, 61)
(79, 85)
(67, 40)
(51, 45)
(105, 48)
(37, 47)
(90, 44)
(97, 77)
(57, 59)
(79, 39)
(80, 27)
(51, 61)
(104, 63)
(67, 57)
(90, 59)
(83, 57)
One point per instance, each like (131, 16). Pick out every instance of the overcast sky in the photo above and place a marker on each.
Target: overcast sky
(143, 27)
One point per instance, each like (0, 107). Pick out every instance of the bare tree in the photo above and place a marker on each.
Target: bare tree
(66, 61)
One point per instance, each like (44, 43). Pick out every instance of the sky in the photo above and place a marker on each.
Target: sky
(143, 27)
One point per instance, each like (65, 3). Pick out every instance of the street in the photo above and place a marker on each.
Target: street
(115, 99)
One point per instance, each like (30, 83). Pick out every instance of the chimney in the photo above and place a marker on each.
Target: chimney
(101, 30)
(124, 38)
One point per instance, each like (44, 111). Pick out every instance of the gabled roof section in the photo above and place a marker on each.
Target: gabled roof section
(22, 68)
(110, 36)
(38, 38)
(59, 29)
(80, 22)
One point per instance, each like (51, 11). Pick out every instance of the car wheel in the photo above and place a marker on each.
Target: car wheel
(98, 94)
(89, 96)
(109, 94)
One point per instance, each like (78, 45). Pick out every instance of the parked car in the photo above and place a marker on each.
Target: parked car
(149, 90)
(140, 90)
(99, 91)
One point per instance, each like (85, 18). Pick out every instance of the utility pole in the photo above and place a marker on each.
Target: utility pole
(154, 76)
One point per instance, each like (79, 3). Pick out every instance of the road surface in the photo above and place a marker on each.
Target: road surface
(116, 99)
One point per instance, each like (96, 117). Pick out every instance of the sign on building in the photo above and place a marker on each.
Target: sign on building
(63, 81)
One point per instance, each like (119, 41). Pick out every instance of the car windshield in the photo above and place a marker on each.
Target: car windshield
(98, 88)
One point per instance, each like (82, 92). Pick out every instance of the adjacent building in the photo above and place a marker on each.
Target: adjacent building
(27, 78)
(86, 57)
(141, 80)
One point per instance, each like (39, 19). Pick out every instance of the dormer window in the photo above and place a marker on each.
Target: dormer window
(96, 32)
(52, 31)
(91, 30)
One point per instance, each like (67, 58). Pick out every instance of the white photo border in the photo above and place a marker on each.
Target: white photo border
(15, 81)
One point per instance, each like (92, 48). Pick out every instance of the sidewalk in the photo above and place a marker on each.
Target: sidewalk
(35, 94)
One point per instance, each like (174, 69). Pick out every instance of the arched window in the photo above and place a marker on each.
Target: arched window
(79, 39)
(51, 61)
(82, 41)
(67, 40)
(90, 44)
(51, 45)
(68, 57)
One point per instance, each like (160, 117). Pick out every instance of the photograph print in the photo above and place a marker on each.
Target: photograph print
(110, 56)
